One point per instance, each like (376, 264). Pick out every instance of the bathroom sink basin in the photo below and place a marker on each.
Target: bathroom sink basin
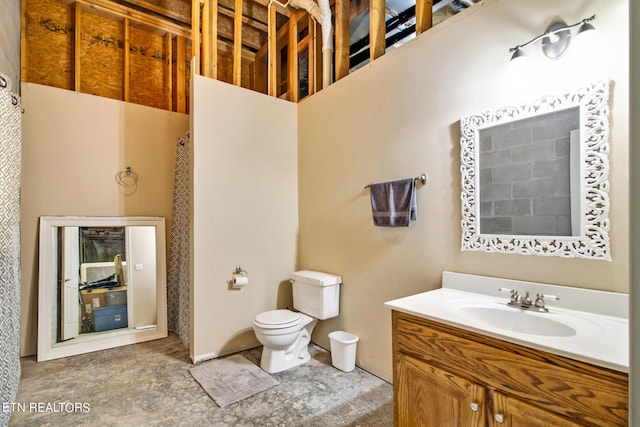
(582, 324)
(516, 320)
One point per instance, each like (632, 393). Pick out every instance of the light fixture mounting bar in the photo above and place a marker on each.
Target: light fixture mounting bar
(551, 32)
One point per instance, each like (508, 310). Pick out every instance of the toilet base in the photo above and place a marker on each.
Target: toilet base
(273, 360)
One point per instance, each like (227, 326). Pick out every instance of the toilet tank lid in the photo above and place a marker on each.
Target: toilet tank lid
(316, 278)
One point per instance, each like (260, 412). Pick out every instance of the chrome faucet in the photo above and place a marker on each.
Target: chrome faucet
(524, 302)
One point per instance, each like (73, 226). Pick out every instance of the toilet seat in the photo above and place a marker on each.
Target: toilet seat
(277, 319)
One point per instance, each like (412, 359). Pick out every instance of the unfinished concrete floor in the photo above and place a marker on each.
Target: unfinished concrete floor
(149, 384)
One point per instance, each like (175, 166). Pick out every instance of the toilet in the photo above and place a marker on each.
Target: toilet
(285, 334)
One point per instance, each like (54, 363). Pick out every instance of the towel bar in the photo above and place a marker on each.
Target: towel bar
(422, 178)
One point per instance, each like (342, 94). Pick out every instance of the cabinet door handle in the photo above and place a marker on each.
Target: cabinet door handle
(474, 406)
(499, 418)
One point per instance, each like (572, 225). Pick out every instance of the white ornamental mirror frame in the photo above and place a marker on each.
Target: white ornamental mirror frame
(589, 195)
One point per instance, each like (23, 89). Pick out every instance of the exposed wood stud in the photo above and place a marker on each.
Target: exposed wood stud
(293, 80)
(210, 38)
(195, 33)
(424, 15)
(237, 43)
(273, 50)
(342, 39)
(213, 35)
(168, 70)
(181, 76)
(136, 41)
(319, 65)
(377, 29)
(77, 45)
(206, 39)
(311, 77)
(126, 84)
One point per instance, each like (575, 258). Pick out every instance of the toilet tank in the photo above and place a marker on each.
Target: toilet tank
(316, 294)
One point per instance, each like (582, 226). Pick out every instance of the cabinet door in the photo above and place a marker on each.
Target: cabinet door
(431, 397)
(511, 412)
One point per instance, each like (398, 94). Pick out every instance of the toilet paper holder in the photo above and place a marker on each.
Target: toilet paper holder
(239, 278)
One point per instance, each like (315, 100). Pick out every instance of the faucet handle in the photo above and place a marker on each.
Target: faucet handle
(512, 292)
(540, 299)
(526, 300)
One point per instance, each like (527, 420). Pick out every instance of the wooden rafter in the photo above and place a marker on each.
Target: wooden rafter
(246, 20)
(227, 37)
(281, 10)
(141, 17)
(181, 17)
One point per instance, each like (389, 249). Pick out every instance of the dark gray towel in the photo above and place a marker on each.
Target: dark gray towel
(393, 203)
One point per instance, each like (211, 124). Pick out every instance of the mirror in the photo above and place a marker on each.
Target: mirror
(102, 283)
(535, 177)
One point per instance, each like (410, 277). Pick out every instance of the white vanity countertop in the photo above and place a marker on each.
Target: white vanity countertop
(598, 335)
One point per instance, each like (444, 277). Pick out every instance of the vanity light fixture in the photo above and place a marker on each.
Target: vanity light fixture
(555, 39)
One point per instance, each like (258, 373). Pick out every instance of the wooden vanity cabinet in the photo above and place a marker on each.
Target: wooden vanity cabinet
(428, 396)
(446, 376)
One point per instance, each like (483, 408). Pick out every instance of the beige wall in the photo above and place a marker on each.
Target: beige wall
(72, 147)
(399, 117)
(245, 211)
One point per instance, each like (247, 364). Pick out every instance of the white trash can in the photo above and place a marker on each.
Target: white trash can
(343, 350)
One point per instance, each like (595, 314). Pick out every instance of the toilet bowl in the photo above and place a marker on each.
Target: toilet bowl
(284, 334)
